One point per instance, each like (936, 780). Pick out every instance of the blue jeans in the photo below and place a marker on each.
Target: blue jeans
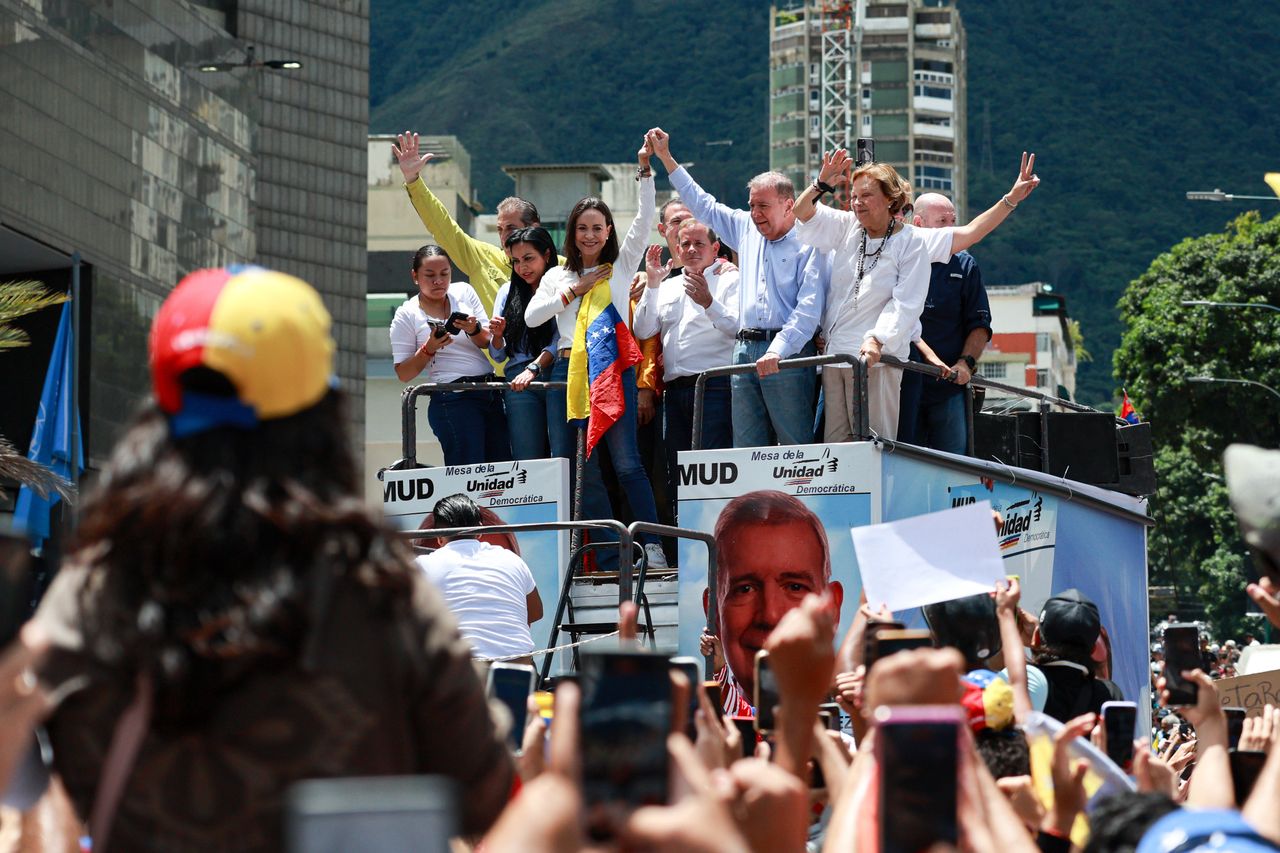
(677, 425)
(470, 425)
(527, 418)
(777, 409)
(621, 441)
(941, 424)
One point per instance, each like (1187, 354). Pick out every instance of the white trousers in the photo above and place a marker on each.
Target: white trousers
(883, 385)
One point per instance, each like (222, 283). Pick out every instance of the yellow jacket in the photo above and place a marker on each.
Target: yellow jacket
(485, 265)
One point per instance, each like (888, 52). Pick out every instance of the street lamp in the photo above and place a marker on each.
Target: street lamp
(1207, 379)
(1219, 195)
(251, 61)
(1210, 304)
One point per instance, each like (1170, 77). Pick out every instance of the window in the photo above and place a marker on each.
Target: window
(889, 125)
(991, 369)
(933, 92)
(1044, 342)
(1042, 377)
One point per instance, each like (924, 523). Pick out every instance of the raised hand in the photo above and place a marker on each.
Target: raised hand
(695, 287)
(645, 152)
(661, 142)
(1007, 595)
(835, 165)
(1027, 179)
(654, 268)
(1266, 594)
(406, 153)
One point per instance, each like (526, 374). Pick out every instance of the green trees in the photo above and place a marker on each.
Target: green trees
(1196, 544)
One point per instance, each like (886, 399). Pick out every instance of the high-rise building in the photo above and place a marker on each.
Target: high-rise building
(892, 70)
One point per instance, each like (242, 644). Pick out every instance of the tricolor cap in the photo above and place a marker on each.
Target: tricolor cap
(266, 332)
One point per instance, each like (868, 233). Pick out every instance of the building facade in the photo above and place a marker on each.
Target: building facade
(1033, 347)
(118, 147)
(891, 70)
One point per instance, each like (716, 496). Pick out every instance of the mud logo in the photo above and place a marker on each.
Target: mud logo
(497, 485)
(802, 472)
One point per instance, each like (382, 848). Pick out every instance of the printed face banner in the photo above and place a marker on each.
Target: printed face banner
(523, 492)
(781, 517)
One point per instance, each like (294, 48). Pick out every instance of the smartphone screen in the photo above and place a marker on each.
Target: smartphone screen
(747, 730)
(1119, 720)
(714, 694)
(511, 685)
(833, 715)
(1235, 725)
(1245, 767)
(1181, 652)
(692, 670)
(766, 693)
(893, 641)
(626, 717)
(919, 766)
(869, 639)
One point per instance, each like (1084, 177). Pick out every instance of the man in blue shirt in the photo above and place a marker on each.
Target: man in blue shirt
(781, 292)
(956, 324)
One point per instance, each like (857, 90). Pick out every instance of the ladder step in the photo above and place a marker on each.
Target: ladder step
(580, 628)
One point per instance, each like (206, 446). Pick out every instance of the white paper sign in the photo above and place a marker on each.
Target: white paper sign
(929, 558)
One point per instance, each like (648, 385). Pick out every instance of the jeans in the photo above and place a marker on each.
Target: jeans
(527, 418)
(470, 425)
(621, 441)
(677, 426)
(777, 409)
(941, 424)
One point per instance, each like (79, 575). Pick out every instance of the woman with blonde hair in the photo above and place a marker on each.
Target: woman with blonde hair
(879, 280)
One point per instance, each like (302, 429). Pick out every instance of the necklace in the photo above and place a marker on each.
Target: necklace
(875, 259)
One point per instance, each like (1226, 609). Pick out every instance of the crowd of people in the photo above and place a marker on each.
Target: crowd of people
(786, 278)
(232, 619)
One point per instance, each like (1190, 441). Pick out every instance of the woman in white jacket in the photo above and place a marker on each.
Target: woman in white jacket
(593, 259)
(879, 280)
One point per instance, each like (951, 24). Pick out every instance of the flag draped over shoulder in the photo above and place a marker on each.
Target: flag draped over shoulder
(1127, 411)
(51, 440)
(603, 348)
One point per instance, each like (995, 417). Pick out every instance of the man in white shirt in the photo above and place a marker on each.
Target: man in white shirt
(695, 313)
(489, 590)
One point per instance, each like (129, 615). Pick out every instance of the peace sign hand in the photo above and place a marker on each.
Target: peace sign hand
(406, 153)
(1027, 179)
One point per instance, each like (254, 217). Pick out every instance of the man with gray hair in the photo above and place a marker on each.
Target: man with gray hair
(781, 294)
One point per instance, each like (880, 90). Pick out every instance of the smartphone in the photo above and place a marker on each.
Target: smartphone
(714, 694)
(1181, 652)
(747, 731)
(451, 325)
(869, 638)
(1119, 719)
(918, 752)
(766, 698)
(381, 813)
(692, 669)
(1235, 725)
(893, 641)
(626, 716)
(1246, 764)
(833, 712)
(866, 152)
(16, 585)
(511, 684)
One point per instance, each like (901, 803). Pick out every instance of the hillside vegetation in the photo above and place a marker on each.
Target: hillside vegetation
(1127, 104)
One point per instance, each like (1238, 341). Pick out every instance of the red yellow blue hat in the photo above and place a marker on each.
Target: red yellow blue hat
(265, 331)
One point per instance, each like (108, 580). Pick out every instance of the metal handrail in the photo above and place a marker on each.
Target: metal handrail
(409, 411)
(705, 538)
(855, 361)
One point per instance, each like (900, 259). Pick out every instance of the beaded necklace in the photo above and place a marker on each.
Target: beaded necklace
(875, 259)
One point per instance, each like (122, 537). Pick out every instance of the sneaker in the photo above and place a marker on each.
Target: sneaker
(656, 557)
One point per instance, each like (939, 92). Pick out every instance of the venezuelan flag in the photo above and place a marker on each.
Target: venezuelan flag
(1127, 411)
(603, 348)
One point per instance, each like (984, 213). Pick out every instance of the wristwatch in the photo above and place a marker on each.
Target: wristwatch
(534, 368)
(970, 361)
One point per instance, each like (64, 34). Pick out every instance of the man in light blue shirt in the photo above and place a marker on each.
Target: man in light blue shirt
(781, 294)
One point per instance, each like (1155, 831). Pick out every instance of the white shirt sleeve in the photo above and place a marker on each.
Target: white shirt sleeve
(900, 314)
(722, 316)
(547, 300)
(633, 248)
(404, 335)
(826, 229)
(645, 322)
(937, 243)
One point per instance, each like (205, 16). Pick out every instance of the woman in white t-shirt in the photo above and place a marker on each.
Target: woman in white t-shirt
(879, 280)
(470, 425)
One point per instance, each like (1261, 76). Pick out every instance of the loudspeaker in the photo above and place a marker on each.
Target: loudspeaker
(1029, 455)
(1136, 462)
(995, 437)
(1082, 447)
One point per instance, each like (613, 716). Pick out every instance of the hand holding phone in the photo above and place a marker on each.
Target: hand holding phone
(452, 325)
(1119, 719)
(511, 685)
(1181, 653)
(918, 750)
(767, 698)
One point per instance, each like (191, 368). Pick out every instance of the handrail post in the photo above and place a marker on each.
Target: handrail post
(968, 419)
(579, 470)
(863, 374)
(699, 393)
(1044, 436)
(409, 427)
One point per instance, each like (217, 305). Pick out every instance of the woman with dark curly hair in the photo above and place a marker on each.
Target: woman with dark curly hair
(246, 622)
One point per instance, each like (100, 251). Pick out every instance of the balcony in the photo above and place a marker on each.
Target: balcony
(886, 25)
(936, 105)
(936, 131)
(933, 31)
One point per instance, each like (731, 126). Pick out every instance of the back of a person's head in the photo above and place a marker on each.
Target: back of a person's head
(1119, 822)
(457, 511)
(232, 489)
(968, 625)
(1005, 753)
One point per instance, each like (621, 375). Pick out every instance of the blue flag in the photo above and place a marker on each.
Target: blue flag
(52, 439)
